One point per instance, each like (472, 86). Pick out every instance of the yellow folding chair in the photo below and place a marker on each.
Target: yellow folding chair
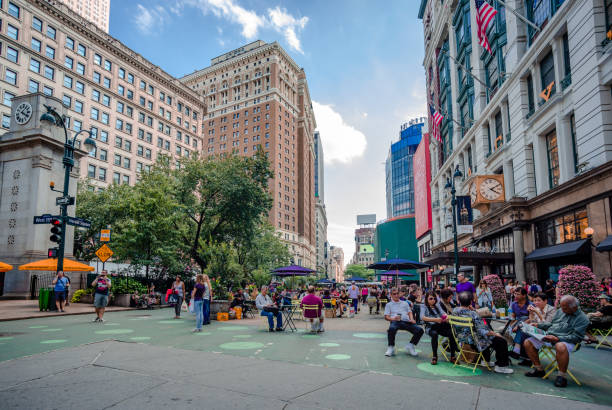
(550, 353)
(604, 334)
(297, 309)
(310, 308)
(465, 326)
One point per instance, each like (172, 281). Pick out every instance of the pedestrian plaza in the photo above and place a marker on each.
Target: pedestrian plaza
(241, 363)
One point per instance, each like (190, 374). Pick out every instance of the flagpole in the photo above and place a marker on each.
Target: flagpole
(465, 69)
(520, 16)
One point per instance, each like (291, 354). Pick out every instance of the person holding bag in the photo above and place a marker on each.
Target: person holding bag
(178, 294)
(436, 324)
(197, 295)
(485, 297)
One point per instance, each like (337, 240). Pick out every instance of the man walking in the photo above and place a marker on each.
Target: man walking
(102, 285)
(353, 293)
(398, 312)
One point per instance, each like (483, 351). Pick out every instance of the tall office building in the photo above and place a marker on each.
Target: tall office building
(530, 133)
(96, 11)
(258, 98)
(135, 110)
(320, 213)
(398, 168)
(364, 240)
(336, 264)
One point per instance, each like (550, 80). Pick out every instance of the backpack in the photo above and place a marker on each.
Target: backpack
(533, 289)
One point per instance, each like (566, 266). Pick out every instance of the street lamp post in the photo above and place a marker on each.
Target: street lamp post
(450, 184)
(52, 117)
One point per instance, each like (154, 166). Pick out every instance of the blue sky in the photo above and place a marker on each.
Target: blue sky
(363, 60)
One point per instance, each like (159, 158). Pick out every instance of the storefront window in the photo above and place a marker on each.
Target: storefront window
(553, 159)
(563, 228)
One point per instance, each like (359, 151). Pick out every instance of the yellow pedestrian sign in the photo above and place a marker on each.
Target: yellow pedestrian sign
(104, 253)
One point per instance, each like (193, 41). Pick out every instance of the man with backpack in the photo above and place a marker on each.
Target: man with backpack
(102, 285)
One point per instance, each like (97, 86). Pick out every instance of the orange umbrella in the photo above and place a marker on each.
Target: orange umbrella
(5, 267)
(51, 265)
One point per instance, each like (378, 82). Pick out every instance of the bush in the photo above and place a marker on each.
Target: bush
(76, 296)
(497, 290)
(121, 286)
(579, 281)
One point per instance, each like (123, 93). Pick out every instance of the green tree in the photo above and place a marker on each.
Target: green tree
(264, 251)
(358, 270)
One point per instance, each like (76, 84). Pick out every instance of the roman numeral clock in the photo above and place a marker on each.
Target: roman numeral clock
(23, 113)
(485, 190)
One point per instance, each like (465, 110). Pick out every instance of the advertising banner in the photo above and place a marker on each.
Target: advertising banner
(422, 193)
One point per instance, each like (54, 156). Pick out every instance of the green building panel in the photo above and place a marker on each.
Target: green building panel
(398, 237)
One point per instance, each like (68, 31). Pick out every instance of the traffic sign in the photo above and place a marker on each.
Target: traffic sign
(64, 200)
(44, 218)
(105, 235)
(104, 253)
(83, 223)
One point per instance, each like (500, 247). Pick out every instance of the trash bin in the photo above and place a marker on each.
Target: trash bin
(51, 306)
(42, 299)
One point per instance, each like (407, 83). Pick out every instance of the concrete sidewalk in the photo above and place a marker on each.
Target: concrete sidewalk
(28, 309)
(133, 375)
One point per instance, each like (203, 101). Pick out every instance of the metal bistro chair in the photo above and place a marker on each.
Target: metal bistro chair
(465, 325)
(310, 308)
(604, 334)
(549, 353)
(329, 305)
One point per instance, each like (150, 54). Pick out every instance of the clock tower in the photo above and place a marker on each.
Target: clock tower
(31, 155)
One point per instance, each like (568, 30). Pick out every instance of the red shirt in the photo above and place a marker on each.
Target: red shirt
(312, 299)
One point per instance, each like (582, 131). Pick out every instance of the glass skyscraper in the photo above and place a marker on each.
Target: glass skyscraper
(399, 175)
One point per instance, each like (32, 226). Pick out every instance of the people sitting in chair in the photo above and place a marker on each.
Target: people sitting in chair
(268, 308)
(342, 302)
(539, 311)
(398, 312)
(566, 329)
(447, 301)
(238, 301)
(486, 338)
(315, 316)
(327, 299)
(601, 319)
(436, 324)
(520, 305)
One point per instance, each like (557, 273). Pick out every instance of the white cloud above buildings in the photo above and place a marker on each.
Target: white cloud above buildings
(250, 21)
(341, 142)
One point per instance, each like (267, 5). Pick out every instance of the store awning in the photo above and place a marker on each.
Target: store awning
(5, 267)
(605, 245)
(470, 258)
(580, 247)
(451, 269)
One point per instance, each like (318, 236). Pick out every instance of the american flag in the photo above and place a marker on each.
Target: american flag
(484, 17)
(436, 119)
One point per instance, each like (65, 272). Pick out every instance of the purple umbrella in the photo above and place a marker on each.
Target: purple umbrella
(292, 270)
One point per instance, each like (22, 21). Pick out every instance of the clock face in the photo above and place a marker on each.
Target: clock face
(473, 193)
(23, 113)
(491, 189)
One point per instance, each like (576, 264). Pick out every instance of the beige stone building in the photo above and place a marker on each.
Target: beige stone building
(258, 98)
(96, 11)
(135, 109)
(336, 264)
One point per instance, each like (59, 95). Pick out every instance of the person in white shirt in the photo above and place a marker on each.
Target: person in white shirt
(269, 309)
(398, 312)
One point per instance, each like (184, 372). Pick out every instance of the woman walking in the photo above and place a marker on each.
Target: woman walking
(197, 296)
(206, 298)
(436, 324)
(483, 293)
(178, 289)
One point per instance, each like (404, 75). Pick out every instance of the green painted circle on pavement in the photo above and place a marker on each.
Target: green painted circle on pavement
(114, 331)
(139, 338)
(243, 336)
(338, 356)
(202, 333)
(241, 345)
(53, 341)
(369, 335)
(425, 340)
(329, 344)
(231, 328)
(38, 327)
(310, 336)
(140, 318)
(51, 330)
(447, 369)
(6, 338)
(112, 324)
(169, 322)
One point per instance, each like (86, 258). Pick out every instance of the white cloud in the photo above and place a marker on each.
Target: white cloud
(341, 141)
(150, 20)
(277, 19)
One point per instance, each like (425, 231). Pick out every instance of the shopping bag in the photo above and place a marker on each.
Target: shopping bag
(184, 307)
(191, 307)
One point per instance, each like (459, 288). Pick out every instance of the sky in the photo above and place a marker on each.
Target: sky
(363, 62)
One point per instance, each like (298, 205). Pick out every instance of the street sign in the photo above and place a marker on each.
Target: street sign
(43, 219)
(83, 223)
(105, 235)
(104, 253)
(64, 200)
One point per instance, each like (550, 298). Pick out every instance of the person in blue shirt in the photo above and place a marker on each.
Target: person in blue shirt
(60, 284)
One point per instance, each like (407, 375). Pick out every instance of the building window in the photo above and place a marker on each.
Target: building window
(82, 50)
(540, 13)
(37, 24)
(102, 174)
(10, 77)
(49, 72)
(67, 100)
(79, 87)
(81, 68)
(567, 80)
(35, 44)
(13, 10)
(12, 54)
(6, 121)
(547, 72)
(103, 154)
(530, 100)
(69, 43)
(553, 159)
(8, 98)
(50, 52)
(116, 178)
(13, 32)
(574, 144)
(35, 65)
(91, 171)
(104, 136)
(97, 59)
(499, 131)
(78, 106)
(68, 62)
(562, 228)
(51, 32)
(95, 95)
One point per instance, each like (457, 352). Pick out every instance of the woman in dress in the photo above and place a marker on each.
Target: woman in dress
(178, 289)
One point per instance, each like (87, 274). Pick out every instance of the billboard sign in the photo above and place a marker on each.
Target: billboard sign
(464, 214)
(368, 219)
(422, 193)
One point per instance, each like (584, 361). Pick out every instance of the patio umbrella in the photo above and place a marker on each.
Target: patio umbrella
(5, 267)
(325, 282)
(292, 271)
(397, 265)
(355, 279)
(51, 265)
